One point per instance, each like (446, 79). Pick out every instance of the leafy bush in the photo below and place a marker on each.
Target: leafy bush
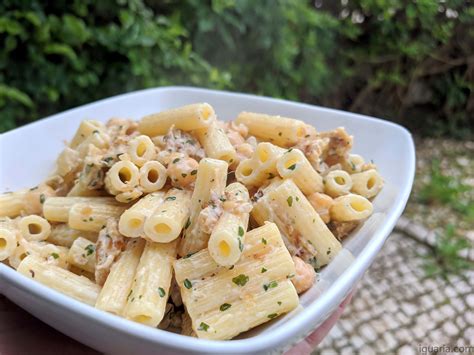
(407, 61)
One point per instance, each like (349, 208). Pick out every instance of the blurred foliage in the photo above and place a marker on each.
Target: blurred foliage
(407, 61)
(447, 190)
(445, 258)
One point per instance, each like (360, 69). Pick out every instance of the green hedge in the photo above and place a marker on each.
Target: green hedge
(407, 61)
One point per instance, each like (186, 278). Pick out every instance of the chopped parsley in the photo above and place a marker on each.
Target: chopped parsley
(264, 241)
(95, 132)
(241, 245)
(225, 307)
(42, 198)
(187, 284)
(231, 267)
(279, 303)
(203, 326)
(292, 167)
(55, 255)
(188, 223)
(289, 200)
(273, 315)
(271, 176)
(241, 231)
(32, 273)
(90, 249)
(263, 270)
(161, 292)
(280, 133)
(297, 198)
(270, 285)
(175, 160)
(129, 294)
(184, 175)
(240, 280)
(170, 198)
(194, 172)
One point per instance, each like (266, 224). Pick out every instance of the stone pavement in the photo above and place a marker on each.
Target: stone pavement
(397, 308)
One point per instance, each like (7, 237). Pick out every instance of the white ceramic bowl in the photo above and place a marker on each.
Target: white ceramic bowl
(27, 156)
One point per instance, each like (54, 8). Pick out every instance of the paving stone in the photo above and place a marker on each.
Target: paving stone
(397, 308)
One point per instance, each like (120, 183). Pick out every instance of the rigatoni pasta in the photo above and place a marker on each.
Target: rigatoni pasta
(188, 224)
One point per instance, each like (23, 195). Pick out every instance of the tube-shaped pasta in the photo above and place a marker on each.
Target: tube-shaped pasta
(167, 221)
(279, 130)
(227, 240)
(8, 238)
(61, 234)
(367, 184)
(211, 179)
(19, 253)
(122, 176)
(186, 118)
(92, 217)
(12, 203)
(86, 128)
(152, 176)
(293, 164)
(337, 183)
(216, 144)
(98, 139)
(64, 281)
(56, 209)
(353, 163)
(34, 228)
(82, 254)
(303, 227)
(254, 291)
(68, 161)
(79, 190)
(151, 285)
(52, 254)
(262, 165)
(117, 287)
(132, 221)
(141, 149)
(350, 207)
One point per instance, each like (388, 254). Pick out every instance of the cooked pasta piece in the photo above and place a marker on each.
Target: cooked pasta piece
(12, 203)
(132, 221)
(61, 234)
(308, 236)
(262, 165)
(211, 180)
(141, 150)
(350, 208)
(56, 209)
(227, 240)
(52, 254)
(279, 130)
(167, 221)
(337, 183)
(68, 161)
(254, 291)
(34, 228)
(86, 129)
(8, 238)
(187, 118)
(294, 165)
(123, 176)
(150, 289)
(367, 184)
(92, 217)
(152, 176)
(64, 281)
(118, 286)
(216, 144)
(353, 164)
(79, 190)
(19, 253)
(82, 254)
(182, 170)
(96, 140)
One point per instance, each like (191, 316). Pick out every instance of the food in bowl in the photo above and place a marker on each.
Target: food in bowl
(186, 223)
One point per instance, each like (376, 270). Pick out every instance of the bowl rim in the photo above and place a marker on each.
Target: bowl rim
(279, 336)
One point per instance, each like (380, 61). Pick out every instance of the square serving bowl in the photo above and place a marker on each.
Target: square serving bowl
(27, 156)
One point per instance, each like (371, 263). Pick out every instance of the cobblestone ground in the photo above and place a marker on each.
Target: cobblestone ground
(397, 309)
